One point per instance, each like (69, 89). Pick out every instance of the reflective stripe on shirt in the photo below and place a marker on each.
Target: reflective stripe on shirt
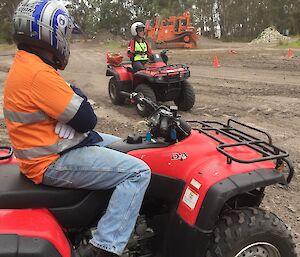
(38, 116)
(61, 145)
(25, 118)
(71, 109)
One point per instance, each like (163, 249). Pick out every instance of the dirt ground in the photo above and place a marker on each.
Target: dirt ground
(259, 86)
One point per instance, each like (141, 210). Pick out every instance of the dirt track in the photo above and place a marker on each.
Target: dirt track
(256, 85)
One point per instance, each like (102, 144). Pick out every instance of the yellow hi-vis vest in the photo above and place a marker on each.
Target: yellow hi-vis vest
(141, 47)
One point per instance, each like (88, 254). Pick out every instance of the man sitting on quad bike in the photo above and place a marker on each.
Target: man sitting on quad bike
(139, 51)
(50, 124)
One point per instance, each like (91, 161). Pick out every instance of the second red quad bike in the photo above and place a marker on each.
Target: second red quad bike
(159, 81)
(203, 200)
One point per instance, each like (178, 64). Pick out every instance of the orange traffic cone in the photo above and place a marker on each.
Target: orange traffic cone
(216, 62)
(290, 53)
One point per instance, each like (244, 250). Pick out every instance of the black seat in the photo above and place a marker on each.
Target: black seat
(16, 191)
(72, 207)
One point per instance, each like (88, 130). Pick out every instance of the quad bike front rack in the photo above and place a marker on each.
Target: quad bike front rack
(162, 70)
(165, 75)
(266, 148)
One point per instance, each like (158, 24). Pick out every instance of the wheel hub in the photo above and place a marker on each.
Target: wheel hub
(259, 250)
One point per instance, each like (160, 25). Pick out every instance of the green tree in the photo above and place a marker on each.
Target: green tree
(246, 19)
(7, 8)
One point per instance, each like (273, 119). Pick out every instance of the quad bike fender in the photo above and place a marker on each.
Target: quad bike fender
(184, 238)
(120, 73)
(122, 78)
(220, 193)
(35, 230)
(210, 200)
(111, 72)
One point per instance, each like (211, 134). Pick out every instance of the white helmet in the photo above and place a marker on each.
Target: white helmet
(45, 24)
(135, 26)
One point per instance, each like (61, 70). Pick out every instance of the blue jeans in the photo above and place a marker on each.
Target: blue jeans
(97, 167)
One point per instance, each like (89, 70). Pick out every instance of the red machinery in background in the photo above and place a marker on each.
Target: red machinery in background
(175, 32)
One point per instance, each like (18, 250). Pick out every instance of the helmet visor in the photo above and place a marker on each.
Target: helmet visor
(140, 29)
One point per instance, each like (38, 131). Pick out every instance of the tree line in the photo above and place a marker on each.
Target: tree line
(234, 19)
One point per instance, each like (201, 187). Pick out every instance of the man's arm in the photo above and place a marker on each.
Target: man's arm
(149, 50)
(85, 119)
(130, 52)
(51, 94)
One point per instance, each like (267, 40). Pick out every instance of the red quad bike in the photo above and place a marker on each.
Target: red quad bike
(157, 82)
(203, 200)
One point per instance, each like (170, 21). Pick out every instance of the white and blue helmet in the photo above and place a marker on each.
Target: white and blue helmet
(45, 24)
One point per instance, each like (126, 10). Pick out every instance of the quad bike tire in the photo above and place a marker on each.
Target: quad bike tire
(114, 92)
(148, 92)
(251, 232)
(186, 100)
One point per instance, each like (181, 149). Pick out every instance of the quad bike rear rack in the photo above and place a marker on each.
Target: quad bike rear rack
(266, 148)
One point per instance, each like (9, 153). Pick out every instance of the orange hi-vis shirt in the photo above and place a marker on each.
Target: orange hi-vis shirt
(35, 98)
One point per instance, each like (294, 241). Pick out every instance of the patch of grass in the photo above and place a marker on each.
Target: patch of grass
(292, 44)
(113, 45)
(295, 36)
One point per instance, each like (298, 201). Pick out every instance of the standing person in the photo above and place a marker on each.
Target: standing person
(50, 124)
(139, 51)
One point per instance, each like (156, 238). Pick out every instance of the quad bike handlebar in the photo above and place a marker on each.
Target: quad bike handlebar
(163, 121)
(154, 58)
(139, 98)
(145, 52)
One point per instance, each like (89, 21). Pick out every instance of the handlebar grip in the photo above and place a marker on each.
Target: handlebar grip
(139, 98)
(125, 94)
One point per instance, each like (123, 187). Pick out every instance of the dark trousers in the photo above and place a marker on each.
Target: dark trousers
(138, 65)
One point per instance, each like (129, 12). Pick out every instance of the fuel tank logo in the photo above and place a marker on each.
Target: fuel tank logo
(179, 156)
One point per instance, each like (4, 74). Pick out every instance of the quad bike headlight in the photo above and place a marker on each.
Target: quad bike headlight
(154, 120)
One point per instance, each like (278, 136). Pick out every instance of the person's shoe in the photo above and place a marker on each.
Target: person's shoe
(92, 251)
